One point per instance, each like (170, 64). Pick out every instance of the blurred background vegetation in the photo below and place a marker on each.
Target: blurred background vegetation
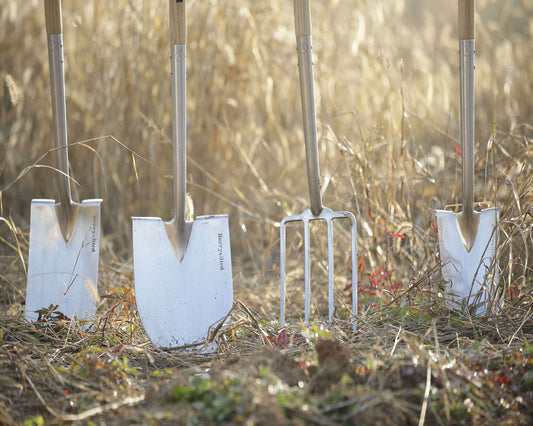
(387, 85)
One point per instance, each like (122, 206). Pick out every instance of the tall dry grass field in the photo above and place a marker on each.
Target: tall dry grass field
(387, 101)
(387, 85)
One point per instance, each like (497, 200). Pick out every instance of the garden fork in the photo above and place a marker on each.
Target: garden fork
(302, 18)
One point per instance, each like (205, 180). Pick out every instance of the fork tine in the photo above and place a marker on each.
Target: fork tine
(354, 271)
(306, 217)
(330, 269)
(282, 274)
(307, 271)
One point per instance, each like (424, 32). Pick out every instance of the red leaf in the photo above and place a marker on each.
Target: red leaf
(458, 150)
(61, 316)
(376, 273)
(396, 235)
(435, 229)
(282, 338)
(514, 292)
(385, 275)
(117, 348)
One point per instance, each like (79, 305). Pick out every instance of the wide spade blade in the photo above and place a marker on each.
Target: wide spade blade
(179, 301)
(182, 269)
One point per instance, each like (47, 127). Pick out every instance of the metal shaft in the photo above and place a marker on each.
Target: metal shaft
(467, 55)
(468, 220)
(67, 211)
(179, 143)
(305, 68)
(57, 84)
(302, 21)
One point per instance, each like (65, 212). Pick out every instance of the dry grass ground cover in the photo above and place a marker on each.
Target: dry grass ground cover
(387, 102)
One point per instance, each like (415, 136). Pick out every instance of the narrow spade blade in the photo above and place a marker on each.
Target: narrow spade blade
(60, 272)
(466, 272)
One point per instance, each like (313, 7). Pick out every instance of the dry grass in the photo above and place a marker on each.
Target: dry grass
(387, 92)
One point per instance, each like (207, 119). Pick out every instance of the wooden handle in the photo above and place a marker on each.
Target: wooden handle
(466, 19)
(52, 16)
(178, 22)
(302, 18)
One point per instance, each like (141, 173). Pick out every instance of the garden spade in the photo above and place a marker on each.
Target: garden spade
(317, 211)
(182, 269)
(64, 236)
(468, 239)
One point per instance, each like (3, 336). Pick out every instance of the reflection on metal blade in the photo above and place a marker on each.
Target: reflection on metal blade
(469, 275)
(59, 272)
(179, 301)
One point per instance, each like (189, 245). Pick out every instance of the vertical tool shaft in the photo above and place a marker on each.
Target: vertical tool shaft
(67, 211)
(57, 84)
(304, 47)
(468, 221)
(180, 233)
(317, 211)
(467, 65)
(179, 129)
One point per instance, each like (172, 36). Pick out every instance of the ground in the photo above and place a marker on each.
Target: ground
(434, 368)
(388, 121)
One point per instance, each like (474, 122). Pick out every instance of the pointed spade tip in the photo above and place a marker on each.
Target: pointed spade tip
(468, 227)
(67, 217)
(179, 238)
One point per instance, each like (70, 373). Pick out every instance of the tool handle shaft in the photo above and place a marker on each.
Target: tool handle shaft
(179, 130)
(466, 19)
(302, 18)
(178, 22)
(178, 35)
(67, 210)
(302, 21)
(467, 51)
(52, 16)
(467, 82)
